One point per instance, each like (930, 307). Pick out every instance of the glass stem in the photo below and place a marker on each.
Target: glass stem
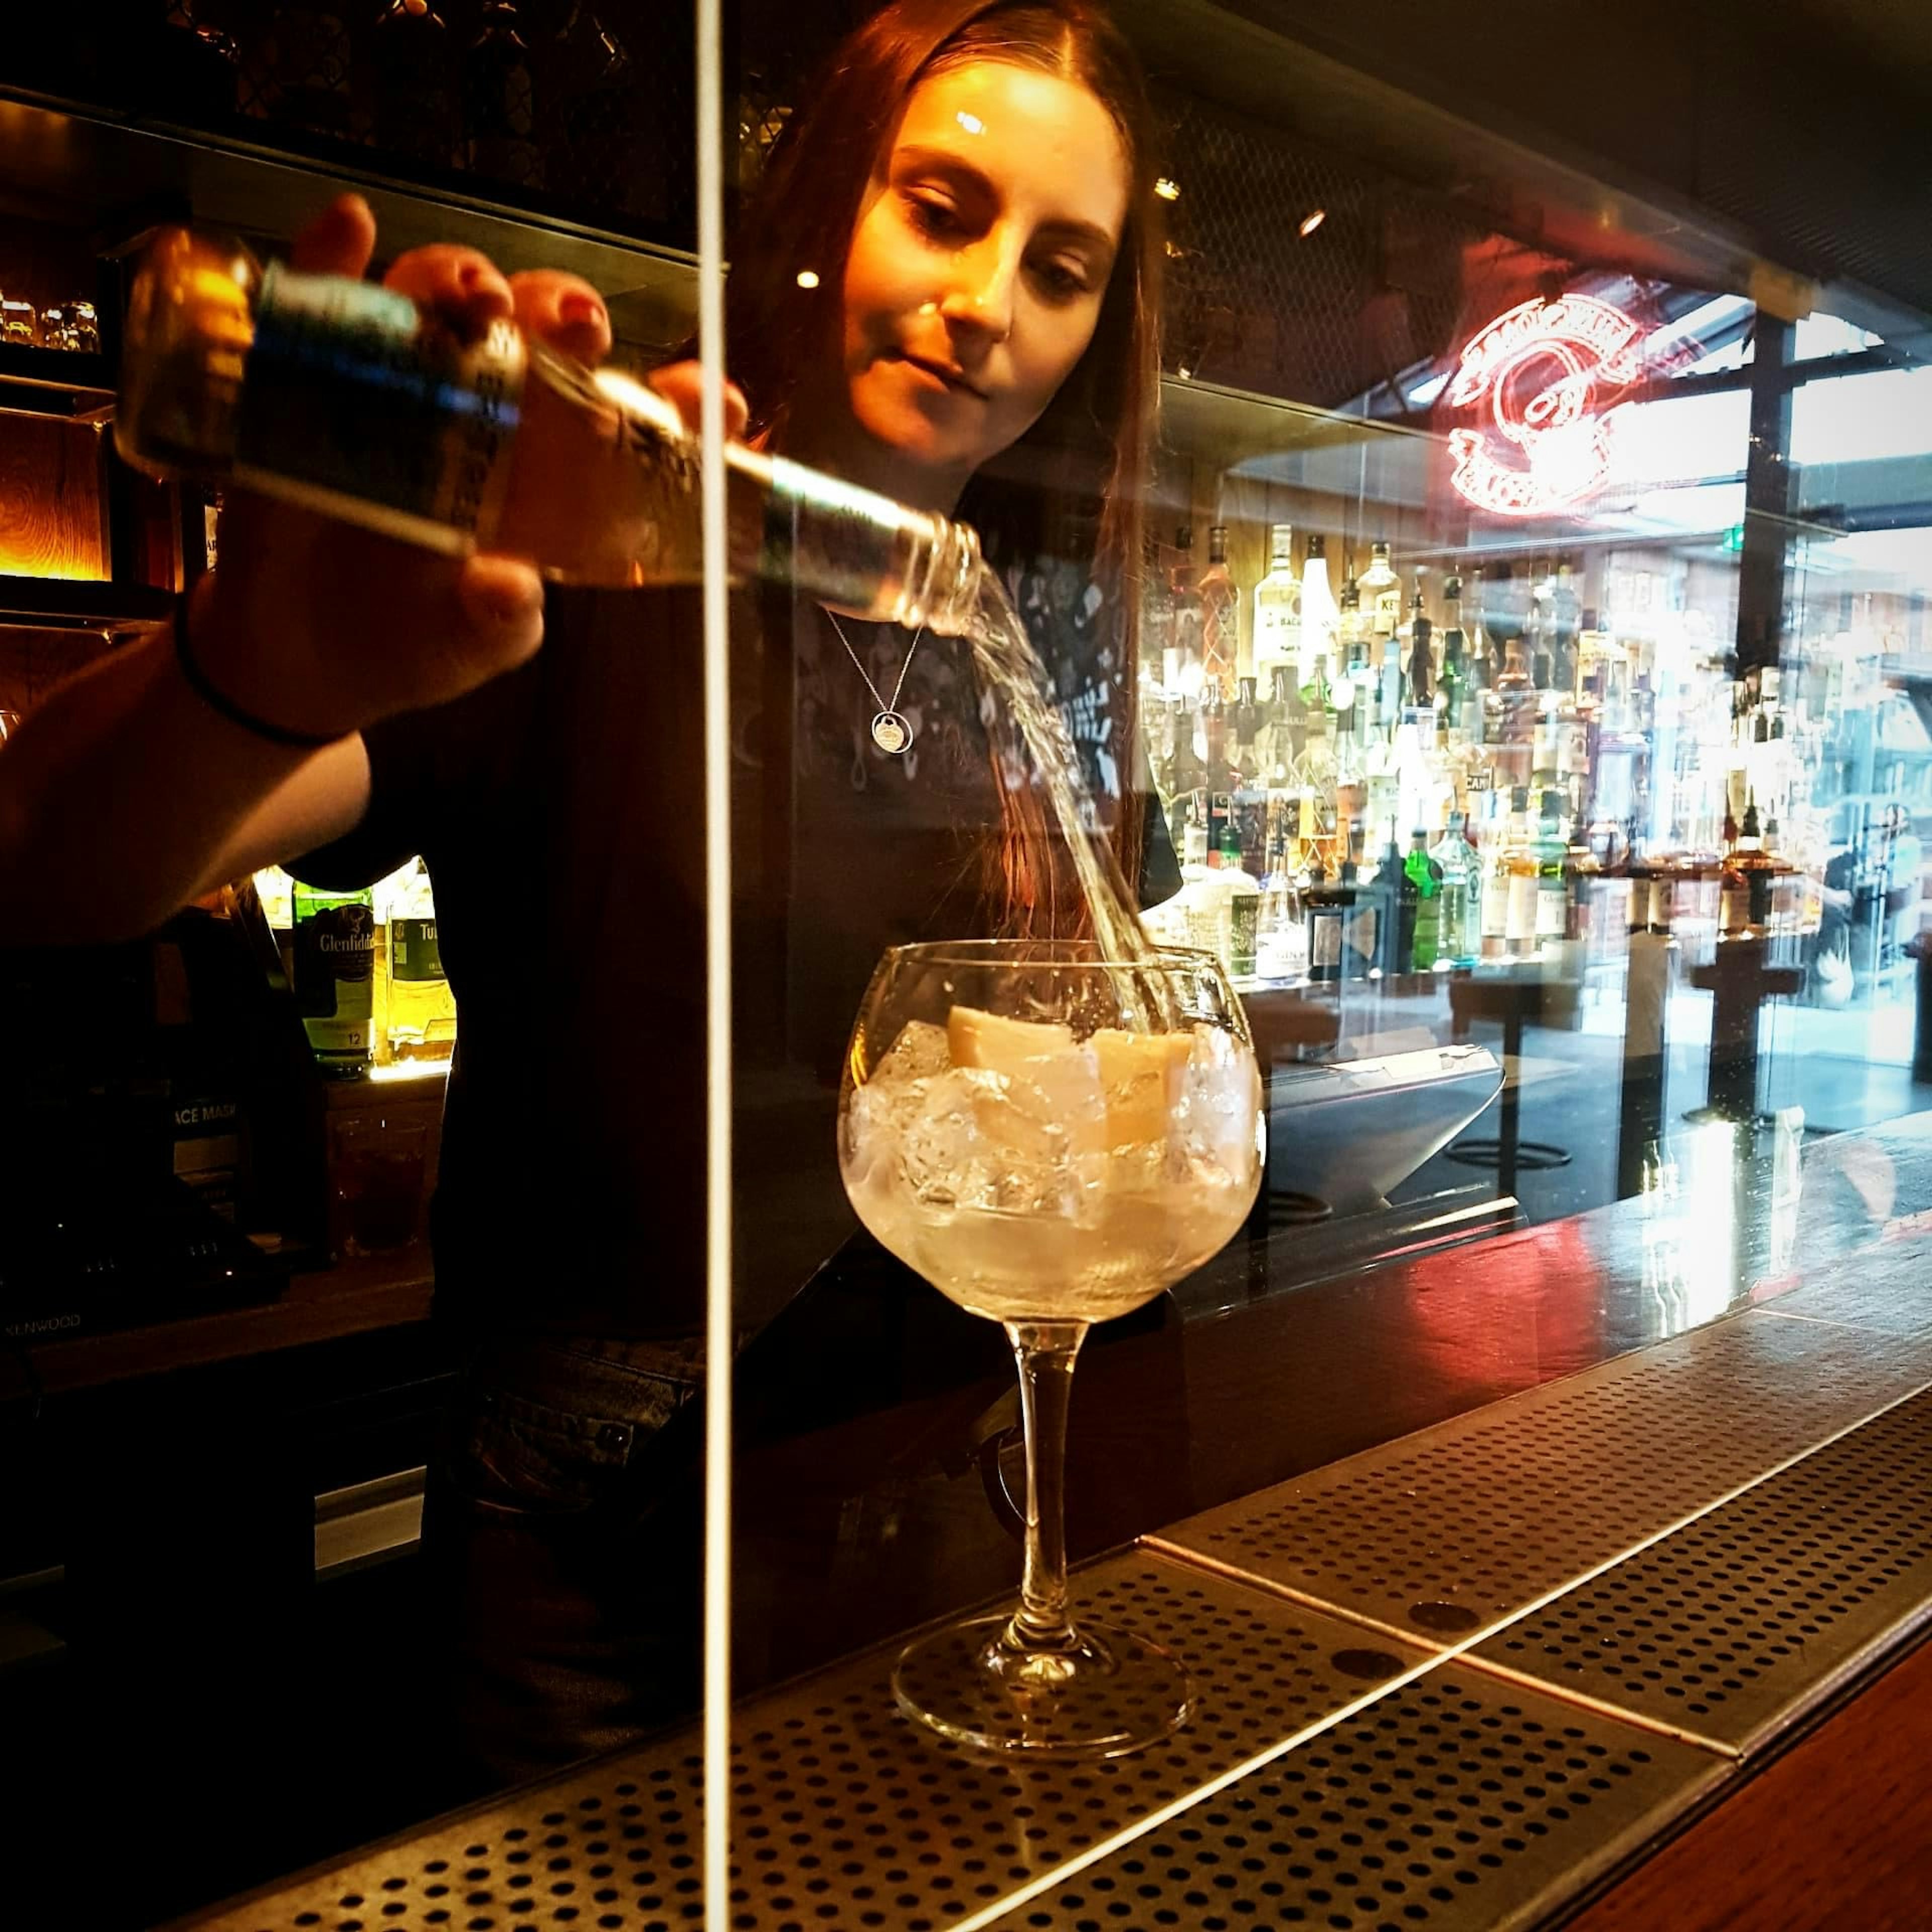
(1045, 1351)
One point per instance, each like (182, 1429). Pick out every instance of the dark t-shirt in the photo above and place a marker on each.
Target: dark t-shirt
(560, 812)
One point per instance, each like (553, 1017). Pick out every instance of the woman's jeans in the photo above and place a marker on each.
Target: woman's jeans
(564, 1592)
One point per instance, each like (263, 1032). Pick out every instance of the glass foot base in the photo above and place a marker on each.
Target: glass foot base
(1113, 1692)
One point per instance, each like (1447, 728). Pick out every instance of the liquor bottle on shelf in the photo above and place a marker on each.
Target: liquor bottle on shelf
(1453, 685)
(591, 123)
(310, 70)
(1351, 629)
(344, 397)
(1485, 657)
(412, 64)
(1321, 615)
(1519, 862)
(1193, 844)
(1460, 936)
(1536, 650)
(1280, 739)
(1318, 700)
(500, 101)
(1243, 895)
(1362, 920)
(1211, 740)
(1327, 905)
(1189, 616)
(1553, 876)
(1546, 736)
(1281, 929)
(1510, 605)
(1350, 766)
(197, 66)
(1589, 902)
(1210, 732)
(1497, 838)
(1381, 593)
(1510, 708)
(1249, 780)
(1421, 655)
(1185, 784)
(1430, 883)
(1395, 885)
(1393, 691)
(1170, 720)
(1158, 648)
(1787, 886)
(1220, 615)
(334, 945)
(1296, 842)
(420, 1022)
(1247, 724)
(1749, 879)
(1562, 626)
(1276, 628)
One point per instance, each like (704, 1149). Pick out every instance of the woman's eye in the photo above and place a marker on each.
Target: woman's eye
(938, 219)
(1062, 281)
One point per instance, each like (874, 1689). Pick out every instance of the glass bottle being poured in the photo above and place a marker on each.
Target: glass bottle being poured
(345, 397)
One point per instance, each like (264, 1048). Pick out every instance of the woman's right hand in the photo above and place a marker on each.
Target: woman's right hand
(322, 628)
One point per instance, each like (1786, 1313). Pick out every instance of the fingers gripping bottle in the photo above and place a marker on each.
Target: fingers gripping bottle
(345, 397)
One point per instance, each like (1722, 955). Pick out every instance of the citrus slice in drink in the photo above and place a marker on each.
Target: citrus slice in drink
(1141, 1074)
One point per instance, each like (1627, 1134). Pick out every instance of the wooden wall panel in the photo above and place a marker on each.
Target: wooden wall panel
(51, 521)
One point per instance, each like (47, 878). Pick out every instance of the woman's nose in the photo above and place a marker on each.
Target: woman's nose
(981, 297)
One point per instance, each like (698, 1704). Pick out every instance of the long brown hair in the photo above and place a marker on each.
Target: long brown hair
(1070, 487)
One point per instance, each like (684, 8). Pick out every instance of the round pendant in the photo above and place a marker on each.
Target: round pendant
(891, 732)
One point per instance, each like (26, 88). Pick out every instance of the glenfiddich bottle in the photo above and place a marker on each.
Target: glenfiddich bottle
(344, 397)
(334, 977)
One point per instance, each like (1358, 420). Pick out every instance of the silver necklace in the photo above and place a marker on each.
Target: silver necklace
(890, 731)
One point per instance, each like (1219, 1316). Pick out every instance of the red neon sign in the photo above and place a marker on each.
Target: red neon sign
(1537, 379)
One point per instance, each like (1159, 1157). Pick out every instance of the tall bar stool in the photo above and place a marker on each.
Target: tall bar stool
(1517, 998)
(1740, 977)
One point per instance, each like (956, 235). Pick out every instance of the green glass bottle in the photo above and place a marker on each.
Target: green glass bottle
(335, 976)
(1425, 876)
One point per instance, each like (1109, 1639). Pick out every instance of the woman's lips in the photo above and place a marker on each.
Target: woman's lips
(941, 376)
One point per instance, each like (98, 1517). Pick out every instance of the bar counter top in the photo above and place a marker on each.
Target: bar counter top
(1495, 1567)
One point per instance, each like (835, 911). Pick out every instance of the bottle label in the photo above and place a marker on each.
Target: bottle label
(1496, 904)
(414, 951)
(1552, 910)
(1244, 917)
(334, 979)
(355, 398)
(1521, 915)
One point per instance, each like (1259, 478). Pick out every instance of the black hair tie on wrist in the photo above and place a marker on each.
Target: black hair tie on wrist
(217, 700)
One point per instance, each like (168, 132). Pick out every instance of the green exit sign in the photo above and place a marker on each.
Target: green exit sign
(1734, 538)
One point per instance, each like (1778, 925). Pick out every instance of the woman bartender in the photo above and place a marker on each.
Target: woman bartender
(946, 292)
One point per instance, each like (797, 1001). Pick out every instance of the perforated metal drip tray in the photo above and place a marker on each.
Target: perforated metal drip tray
(848, 1815)
(1731, 1629)
(1450, 1533)
(1457, 1804)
